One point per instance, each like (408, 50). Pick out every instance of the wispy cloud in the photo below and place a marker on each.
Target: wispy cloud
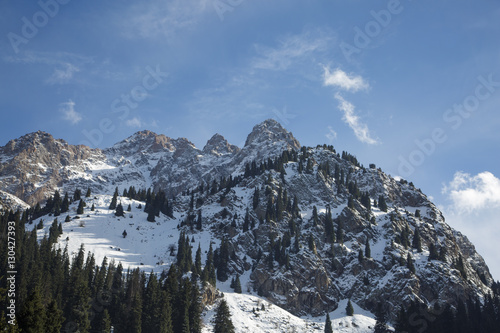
(64, 64)
(134, 122)
(340, 79)
(162, 18)
(350, 118)
(471, 193)
(331, 135)
(61, 76)
(69, 113)
(292, 49)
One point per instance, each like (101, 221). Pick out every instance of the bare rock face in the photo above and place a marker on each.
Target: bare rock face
(218, 145)
(35, 165)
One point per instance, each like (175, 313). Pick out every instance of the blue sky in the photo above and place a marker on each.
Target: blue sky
(413, 86)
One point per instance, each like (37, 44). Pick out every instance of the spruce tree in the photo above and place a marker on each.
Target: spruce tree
(151, 216)
(222, 321)
(198, 221)
(328, 324)
(368, 251)
(237, 285)
(381, 322)
(119, 210)
(114, 200)
(197, 261)
(65, 203)
(54, 318)
(382, 204)
(409, 263)
(79, 210)
(417, 242)
(33, 316)
(349, 310)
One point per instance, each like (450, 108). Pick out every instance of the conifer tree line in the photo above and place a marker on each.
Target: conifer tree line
(55, 292)
(469, 316)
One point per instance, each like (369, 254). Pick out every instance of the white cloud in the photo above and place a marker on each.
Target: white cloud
(350, 118)
(340, 79)
(68, 110)
(474, 207)
(61, 76)
(134, 122)
(471, 193)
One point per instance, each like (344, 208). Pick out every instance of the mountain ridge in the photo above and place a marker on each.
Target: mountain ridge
(297, 220)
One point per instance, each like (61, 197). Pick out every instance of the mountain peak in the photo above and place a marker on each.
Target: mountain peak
(218, 145)
(271, 131)
(30, 140)
(144, 140)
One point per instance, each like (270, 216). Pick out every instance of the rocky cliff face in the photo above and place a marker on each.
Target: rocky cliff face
(35, 165)
(303, 225)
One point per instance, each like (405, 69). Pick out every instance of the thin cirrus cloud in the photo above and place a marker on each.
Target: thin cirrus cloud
(163, 19)
(292, 49)
(69, 113)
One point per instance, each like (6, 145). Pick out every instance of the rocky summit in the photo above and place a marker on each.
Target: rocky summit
(307, 226)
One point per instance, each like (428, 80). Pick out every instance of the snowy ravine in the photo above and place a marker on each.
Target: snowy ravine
(306, 227)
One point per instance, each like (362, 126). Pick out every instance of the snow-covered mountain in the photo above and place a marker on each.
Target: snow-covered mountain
(35, 165)
(306, 228)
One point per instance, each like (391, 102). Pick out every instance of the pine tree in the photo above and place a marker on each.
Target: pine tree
(92, 208)
(65, 203)
(197, 261)
(349, 310)
(237, 285)
(198, 221)
(55, 318)
(114, 200)
(246, 223)
(433, 253)
(151, 216)
(129, 208)
(119, 210)
(417, 242)
(360, 255)
(409, 263)
(89, 193)
(381, 322)
(104, 325)
(222, 321)
(33, 316)
(77, 195)
(67, 219)
(382, 204)
(255, 200)
(368, 251)
(79, 210)
(328, 324)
